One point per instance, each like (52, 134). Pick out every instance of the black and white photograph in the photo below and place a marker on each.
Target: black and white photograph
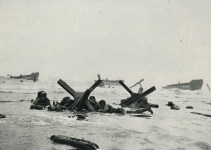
(105, 75)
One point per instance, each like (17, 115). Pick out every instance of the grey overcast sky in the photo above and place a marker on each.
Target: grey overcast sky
(162, 41)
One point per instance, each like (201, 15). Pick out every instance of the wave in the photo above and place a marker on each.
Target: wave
(59, 92)
(203, 145)
(18, 92)
(6, 92)
(6, 101)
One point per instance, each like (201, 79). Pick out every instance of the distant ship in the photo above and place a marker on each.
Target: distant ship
(33, 76)
(107, 82)
(192, 85)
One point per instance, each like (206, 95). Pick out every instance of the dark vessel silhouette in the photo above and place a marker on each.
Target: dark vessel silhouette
(192, 85)
(107, 82)
(33, 76)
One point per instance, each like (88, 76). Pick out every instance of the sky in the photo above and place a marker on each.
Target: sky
(163, 41)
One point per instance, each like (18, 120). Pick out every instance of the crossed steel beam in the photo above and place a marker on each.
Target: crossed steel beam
(80, 98)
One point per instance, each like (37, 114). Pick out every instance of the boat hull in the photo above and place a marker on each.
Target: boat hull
(109, 82)
(192, 85)
(33, 76)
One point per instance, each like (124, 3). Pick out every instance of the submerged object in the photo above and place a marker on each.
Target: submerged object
(173, 106)
(208, 87)
(206, 115)
(81, 117)
(192, 85)
(33, 76)
(107, 82)
(38, 107)
(77, 143)
(2, 116)
(154, 105)
(141, 116)
(189, 107)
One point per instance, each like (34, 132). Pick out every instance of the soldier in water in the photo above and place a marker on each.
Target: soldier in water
(106, 108)
(42, 99)
(140, 90)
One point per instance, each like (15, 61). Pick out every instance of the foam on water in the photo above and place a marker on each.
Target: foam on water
(166, 129)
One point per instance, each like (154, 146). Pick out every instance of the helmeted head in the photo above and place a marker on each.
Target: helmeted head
(43, 94)
(170, 103)
(39, 93)
(92, 98)
(102, 104)
(66, 98)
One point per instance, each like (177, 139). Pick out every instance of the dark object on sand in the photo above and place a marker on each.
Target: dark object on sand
(81, 117)
(173, 106)
(192, 85)
(206, 115)
(77, 143)
(189, 107)
(33, 76)
(2, 116)
(154, 105)
(139, 111)
(80, 98)
(120, 111)
(36, 107)
(170, 103)
(141, 116)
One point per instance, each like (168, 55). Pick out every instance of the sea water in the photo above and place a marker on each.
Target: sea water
(25, 129)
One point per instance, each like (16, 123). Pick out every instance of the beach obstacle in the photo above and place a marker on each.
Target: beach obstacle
(80, 98)
(136, 96)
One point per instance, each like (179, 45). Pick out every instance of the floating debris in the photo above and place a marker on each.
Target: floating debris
(189, 107)
(81, 117)
(173, 106)
(77, 143)
(2, 116)
(206, 115)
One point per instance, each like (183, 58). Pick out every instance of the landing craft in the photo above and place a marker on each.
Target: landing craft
(107, 82)
(33, 76)
(192, 85)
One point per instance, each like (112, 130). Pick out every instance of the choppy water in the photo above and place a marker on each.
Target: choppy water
(166, 129)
